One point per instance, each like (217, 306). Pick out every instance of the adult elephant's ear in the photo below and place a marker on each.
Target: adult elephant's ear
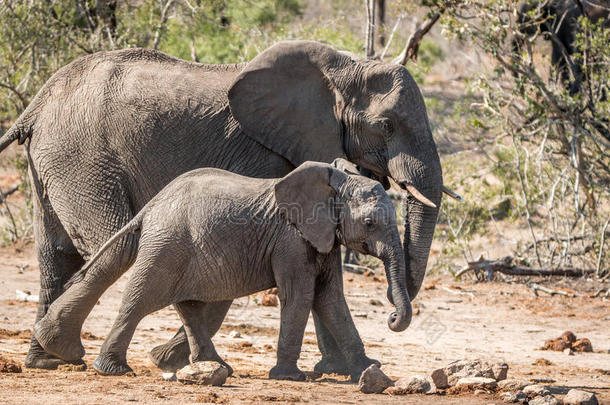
(305, 197)
(286, 100)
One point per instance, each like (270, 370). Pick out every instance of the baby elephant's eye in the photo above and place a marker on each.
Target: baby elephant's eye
(369, 223)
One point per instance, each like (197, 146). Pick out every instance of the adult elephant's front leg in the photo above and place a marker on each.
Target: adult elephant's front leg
(174, 354)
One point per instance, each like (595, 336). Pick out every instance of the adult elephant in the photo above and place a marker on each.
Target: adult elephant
(558, 20)
(109, 130)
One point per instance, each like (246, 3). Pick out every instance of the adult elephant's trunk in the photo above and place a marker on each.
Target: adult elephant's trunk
(394, 263)
(420, 221)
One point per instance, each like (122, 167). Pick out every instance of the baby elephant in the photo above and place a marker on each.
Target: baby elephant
(212, 235)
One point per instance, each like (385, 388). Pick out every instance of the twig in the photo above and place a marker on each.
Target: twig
(357, 269)
(504, 266)
(537, 287)
(370, 28)
(10, 215)
(469, 293)
(387, 46)
(601, 249)
(162, 23)
(8, 192)
(412, 47)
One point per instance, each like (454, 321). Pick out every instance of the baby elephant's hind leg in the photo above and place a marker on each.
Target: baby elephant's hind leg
(202, 348)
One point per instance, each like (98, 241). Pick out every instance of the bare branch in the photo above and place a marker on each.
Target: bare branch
(412, 46)
(162, 23)
(370, 28)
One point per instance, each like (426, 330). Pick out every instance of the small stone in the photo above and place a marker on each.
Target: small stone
(169, 376)
(557, 345)
(375, 302)
(500, 371)
(416, 384)
(440, 379)
(543, 400)
(203, 373)
(535, 390)
(270, 300)
(479, 382)
(578, 397)
(512, 385)
(9, 366)
(582, 345)
(234, 334)
(568, 336)
(480, 392)
(568, 352)
(373, 380)
(508, 397)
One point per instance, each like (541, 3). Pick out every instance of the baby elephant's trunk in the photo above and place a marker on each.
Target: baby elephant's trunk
(394, 262)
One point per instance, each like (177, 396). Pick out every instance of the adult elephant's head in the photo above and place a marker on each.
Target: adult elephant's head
(306, 101)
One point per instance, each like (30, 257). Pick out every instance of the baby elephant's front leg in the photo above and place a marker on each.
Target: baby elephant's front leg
(296, 298)
(332, 310)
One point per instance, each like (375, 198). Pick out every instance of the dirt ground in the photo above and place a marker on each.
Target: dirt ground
(455, 320)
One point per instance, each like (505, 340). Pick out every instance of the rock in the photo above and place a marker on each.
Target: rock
(478, 382)
(9, 366)
(513, 397)
(270, 300)
(234, 334)
(500, 371)
(203, 373)
(373, 380)
(169, 376)
(512, 385)
(543, 400)
(582, 345)
(375, 302)
(568, 336)
(535, 390)
(542, 362)
(578, 397)
(568, 352)
(416, 384)
(557, 345)
(449, 376)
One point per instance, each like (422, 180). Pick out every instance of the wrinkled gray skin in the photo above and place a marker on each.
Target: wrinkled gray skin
(212, 235)
(110, 130)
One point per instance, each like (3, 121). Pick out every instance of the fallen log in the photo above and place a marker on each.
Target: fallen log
(505, 266)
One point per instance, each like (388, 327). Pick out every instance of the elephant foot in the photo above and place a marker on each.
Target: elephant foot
(291, 373)
(356, 369)
(332, 366)
(171, 356)
(107, 364)
(38, 358)
(66, 346)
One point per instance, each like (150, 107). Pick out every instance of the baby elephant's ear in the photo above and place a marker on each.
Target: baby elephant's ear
(345, 166)
(305, 197)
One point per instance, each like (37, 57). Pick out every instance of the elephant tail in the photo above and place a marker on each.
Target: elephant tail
(132, 226)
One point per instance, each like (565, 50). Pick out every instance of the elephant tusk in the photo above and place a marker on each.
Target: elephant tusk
(419, 196)
(452, 194)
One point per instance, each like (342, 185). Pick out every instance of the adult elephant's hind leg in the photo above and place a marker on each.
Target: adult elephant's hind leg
(174, 354)
(333, 361)
(58, 260)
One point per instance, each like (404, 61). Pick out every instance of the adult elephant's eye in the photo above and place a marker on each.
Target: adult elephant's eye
(369, 223)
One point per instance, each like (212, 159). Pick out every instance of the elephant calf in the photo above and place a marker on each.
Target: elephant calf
(212, 235)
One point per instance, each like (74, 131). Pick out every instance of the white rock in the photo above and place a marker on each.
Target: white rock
(203, 373)
(578, 397)
(512, 397)
(448, 376)
(481, 382)
(234, 334)
(373, 380)
(512, 385)
(543, 400)
(169, 376)
(416, 384)
(535, 390)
